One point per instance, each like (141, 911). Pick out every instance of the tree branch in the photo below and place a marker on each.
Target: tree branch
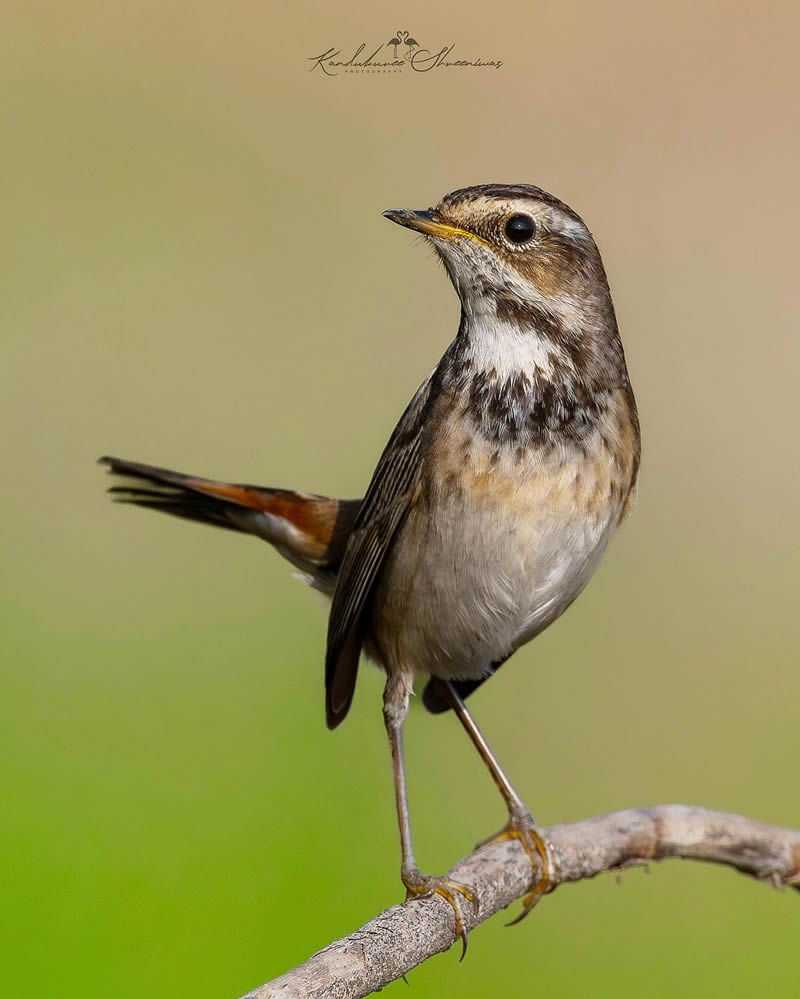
(403, 936)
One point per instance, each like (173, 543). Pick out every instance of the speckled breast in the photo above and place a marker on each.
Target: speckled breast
(499, 542)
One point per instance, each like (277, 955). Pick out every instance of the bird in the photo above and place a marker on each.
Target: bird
(412, 43)
(395, 42)
(489, 508)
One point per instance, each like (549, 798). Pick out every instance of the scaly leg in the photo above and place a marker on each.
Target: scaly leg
(520, 825)
(417, 885)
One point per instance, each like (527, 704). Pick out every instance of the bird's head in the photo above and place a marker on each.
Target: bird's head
(520, 260)
(512, 240)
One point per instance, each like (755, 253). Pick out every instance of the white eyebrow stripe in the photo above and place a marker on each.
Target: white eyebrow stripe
(571, 227)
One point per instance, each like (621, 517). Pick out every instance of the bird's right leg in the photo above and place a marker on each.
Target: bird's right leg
(417, 885)
(520, 825)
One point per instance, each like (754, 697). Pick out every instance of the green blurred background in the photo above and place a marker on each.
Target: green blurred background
(195, 273)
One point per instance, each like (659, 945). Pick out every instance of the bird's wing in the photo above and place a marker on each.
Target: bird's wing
(390, 494)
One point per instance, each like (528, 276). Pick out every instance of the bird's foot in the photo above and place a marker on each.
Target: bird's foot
(426, 885)
(522, 828)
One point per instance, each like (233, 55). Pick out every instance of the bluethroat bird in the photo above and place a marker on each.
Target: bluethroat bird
(493, 501)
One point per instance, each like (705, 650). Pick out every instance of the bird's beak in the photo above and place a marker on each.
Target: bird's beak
(428, 224)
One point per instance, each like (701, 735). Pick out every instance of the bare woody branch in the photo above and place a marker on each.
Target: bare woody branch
(403, 936)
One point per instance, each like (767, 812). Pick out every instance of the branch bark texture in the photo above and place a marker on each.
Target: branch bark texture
(403, 936)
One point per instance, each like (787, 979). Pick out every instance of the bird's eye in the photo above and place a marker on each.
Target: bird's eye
(520, 228)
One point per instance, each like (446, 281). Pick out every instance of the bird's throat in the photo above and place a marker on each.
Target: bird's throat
(527, 380)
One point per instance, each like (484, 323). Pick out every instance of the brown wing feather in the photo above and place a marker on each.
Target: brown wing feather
(391, 492)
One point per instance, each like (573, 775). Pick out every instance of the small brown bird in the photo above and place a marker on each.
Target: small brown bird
(493, 501)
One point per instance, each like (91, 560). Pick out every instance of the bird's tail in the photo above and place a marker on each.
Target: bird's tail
(310, 531)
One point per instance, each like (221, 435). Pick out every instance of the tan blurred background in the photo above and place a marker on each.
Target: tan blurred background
(195, 273)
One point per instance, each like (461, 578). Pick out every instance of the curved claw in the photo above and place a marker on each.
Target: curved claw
(424, 886)
(523, 829)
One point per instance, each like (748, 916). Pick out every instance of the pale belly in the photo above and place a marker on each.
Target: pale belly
(490, 559)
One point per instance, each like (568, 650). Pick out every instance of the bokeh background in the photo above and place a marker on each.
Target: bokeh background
(195, 272)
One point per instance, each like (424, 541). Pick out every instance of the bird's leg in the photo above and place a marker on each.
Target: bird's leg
(520, 825)
(395, 707)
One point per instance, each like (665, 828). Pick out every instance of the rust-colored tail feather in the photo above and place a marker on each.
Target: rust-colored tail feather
(310, 531)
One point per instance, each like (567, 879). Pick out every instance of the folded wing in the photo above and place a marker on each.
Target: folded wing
(390, 494)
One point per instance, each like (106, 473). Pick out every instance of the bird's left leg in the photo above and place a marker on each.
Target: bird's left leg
(417, 885)
(520, 825)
